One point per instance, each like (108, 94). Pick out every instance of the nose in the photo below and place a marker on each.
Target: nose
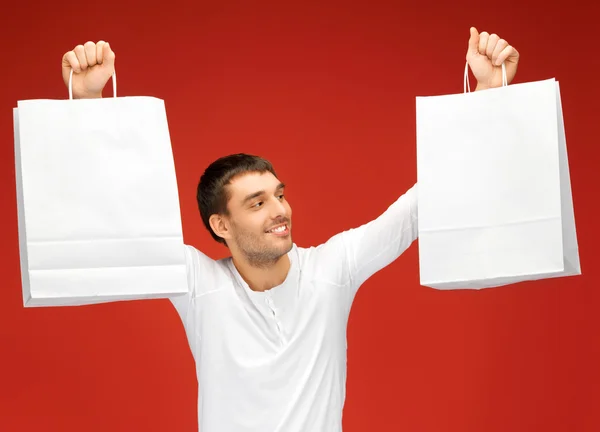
(278, 209)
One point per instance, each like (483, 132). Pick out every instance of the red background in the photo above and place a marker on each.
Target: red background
(326, 91)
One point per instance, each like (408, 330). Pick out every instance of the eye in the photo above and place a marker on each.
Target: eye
(257, 205)
(281, 196)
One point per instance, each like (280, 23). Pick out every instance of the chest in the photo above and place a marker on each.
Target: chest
(294, 324)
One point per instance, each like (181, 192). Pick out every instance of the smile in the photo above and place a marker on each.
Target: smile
(280, 230)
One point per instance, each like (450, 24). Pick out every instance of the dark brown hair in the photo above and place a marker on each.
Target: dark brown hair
(212, 193)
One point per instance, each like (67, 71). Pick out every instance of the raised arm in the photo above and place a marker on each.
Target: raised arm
(348, 259)
(351, 257)
(378, 243)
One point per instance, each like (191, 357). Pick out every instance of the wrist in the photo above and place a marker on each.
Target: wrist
(87, 95)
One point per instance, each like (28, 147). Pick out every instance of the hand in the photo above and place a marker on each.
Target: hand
(485, 56)
(93, 64)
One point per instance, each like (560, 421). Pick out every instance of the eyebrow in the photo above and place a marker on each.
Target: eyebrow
(261, 192)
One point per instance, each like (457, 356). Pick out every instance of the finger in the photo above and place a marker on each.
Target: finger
(508, 55)
(499, 47)
(491, 45)
(474, 41)
(90, 53)
(79, 51)
(108, 55)
(99, 51)
(483, 41)
(69, 61)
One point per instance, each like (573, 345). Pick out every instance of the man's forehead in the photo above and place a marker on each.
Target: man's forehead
(247, 183)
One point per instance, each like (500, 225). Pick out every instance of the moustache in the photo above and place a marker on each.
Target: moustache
(280, 220)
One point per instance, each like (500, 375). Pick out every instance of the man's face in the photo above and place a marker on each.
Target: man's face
(260, 218)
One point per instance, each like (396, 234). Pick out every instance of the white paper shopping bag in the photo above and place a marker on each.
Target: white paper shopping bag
(98, 205)
(495, 203)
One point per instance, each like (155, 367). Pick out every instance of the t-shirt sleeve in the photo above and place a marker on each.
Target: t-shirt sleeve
(351, 257)
(182, 302)
(199, 268)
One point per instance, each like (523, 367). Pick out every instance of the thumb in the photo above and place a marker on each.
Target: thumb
(69, 63)
(66, 69)
(473, 42)
(108, 56)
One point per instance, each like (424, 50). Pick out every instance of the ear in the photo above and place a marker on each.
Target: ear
(220, 226)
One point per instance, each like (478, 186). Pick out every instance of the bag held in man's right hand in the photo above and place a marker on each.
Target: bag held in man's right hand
(98, 204)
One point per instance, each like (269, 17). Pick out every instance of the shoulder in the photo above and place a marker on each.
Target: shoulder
(325, 262)
(204, 273)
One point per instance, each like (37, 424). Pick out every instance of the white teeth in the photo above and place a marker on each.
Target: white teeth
(279, 229)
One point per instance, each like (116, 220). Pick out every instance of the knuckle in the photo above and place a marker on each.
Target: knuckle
(89, 44)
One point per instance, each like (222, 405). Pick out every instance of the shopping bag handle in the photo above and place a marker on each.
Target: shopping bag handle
(114, 81)
(467, 86)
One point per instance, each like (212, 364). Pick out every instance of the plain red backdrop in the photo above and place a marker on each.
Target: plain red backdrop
(326, 91)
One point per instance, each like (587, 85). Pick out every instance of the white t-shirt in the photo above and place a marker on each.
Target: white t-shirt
(275, 361)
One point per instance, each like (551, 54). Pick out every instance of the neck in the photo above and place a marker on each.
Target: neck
(265, 276)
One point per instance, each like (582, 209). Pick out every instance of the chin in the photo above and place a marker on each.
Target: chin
(286, 246)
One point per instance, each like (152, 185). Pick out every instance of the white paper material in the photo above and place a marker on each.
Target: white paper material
(495, 203)
(98, 205)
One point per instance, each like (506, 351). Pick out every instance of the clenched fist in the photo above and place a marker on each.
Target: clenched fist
(485, 55)
(93, 64)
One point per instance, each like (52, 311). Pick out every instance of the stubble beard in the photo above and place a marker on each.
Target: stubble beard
(259, 253)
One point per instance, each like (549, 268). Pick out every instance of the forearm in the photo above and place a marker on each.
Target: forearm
(376, 244)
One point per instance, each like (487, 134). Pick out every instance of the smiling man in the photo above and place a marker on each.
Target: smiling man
(267, 326)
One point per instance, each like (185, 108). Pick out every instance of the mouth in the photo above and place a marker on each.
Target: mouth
(280, 230)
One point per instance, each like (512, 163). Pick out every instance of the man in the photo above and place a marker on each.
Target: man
(267, 326)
